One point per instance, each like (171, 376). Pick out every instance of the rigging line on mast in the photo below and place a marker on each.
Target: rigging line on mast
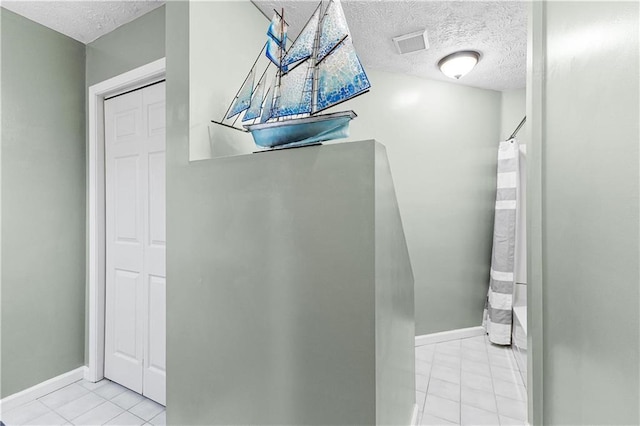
(281, 16)
(303, 28)
(314, 60)
(332, 49)
(282, 47)
(245, 80)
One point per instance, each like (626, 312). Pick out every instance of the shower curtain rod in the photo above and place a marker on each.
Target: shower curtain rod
(515, 132)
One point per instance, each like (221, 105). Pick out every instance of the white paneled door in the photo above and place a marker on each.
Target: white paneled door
(135, 314)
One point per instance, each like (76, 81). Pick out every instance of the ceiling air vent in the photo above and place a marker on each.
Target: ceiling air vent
(411, 42)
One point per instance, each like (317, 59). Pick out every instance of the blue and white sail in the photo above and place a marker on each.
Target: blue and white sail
(277, 41)
(255, 107)
(340, 77)
(243, 99)
(302, 47)
(333, 29)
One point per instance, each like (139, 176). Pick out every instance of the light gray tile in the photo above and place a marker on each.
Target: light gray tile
(508, 421)
(423, 367)
(510, 390)
(63, 396)
(422, 382)
(506, 374)
(125, 419)
(50, 419)
(452, 348)
(475, 355)
(511, 408)
(99, 415)
(477, 343)
(444, 389)
(147, 409)
(110, 390)
(442, 408)
(428, 419)
(479, 399)
(425, 352)
(475, 416)
(476, 381)
(447, 360)
(160, 419)
(127, 399)
(447, 374)
(92, 386)
(481, 368)
(449, 344)
(80, 406)
(420, 397)
(25, 413)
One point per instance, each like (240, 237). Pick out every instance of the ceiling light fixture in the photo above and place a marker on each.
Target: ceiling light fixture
(458, 64)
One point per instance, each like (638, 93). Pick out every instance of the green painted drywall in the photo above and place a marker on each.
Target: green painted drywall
(585, 143)
(395, 325)
(196, 267)
(43, 203)
(442, 141)
(177, 134)
(129, 46)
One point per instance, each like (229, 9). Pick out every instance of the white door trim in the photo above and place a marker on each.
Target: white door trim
(133, 79)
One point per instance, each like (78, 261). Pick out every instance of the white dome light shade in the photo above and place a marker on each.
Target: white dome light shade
(458, 64)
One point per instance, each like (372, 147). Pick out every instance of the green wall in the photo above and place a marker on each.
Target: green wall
(442, 143)
(584, 279)
(441, 140)
(43, 203)
(127, 47)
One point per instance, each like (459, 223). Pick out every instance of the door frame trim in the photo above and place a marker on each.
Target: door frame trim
(96, 252)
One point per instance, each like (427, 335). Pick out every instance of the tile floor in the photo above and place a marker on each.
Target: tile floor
(469, 382)
(85, 403)
(464, 382)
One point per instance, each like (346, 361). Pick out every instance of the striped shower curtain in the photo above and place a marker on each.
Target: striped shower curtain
(499, 304)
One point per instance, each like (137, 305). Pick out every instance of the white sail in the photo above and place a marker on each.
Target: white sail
(333, 28)
(256, 103)
(268, 104)
(340, 77)
(243, 100)
(302, 47)
(295, 94)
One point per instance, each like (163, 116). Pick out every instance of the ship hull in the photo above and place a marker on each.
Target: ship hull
(302, 131)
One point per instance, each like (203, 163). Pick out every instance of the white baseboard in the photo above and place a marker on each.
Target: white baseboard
(41, 389)
(444, 336)
(414, 416)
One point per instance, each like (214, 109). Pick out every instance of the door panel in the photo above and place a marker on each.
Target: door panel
(154, 375)
(135, 228)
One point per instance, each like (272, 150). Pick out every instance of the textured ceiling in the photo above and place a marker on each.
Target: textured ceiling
(84, 21)
(498, 30)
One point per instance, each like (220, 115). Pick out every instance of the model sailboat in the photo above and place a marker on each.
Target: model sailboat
(319, 70)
